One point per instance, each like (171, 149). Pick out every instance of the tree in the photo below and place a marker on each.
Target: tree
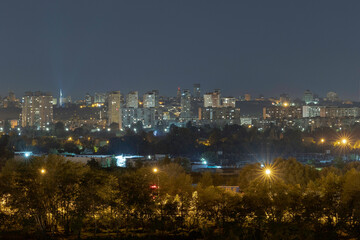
(249, 173)
(135, 193)
(206, 180)
(330, 187)
(60, 129)
(174, 180)
(7, 126)
(293, 172)
(184, 163)
(80, 131)
(5, 153)
(71, 147)
(99, 192)
(42, 190)
(92, 163)
(166, 160)
(180, 142)
(350, 202)
(339, 162)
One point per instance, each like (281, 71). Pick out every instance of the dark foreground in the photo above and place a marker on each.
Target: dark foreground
(52, 198)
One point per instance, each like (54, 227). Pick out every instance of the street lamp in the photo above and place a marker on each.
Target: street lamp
(322, 141)
(155, 170)
(42, 171)
(268, 175)
(345, 143)
(268, 172)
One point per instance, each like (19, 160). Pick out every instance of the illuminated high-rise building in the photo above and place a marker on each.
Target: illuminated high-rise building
(132, 99)
(114, 108)
(88, 99)
(228, 102)
(149, 100)
(156, 92)
(308, 97)
(100, 98)
(37, 110)
(212, 99)
(219, 116)
(149, 117)
(197, 92)
(185, 105)
(178, 94)
(55, 101)
(282, 112)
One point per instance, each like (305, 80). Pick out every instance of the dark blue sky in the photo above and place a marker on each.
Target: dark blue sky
(267, 47)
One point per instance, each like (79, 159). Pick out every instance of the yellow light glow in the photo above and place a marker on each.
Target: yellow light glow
(268, 172)
(286, 104)
(42, 171)
(322, 140)
(155, 170)
(344, 141)
(70, 139)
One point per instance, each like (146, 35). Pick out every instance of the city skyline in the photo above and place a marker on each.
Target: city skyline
(200, 93)
(186, 119)
(257, 48)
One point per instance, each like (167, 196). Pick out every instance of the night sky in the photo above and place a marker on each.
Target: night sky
(259, 47)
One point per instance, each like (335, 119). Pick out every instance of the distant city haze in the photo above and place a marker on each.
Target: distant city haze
(256, 47)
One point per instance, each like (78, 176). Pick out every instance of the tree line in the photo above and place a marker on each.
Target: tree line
(189, 141)
(51, 197)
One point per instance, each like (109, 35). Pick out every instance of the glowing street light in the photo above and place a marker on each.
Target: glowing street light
(268, 173)
(344, 141)
(42, 171)
(155, 170)
(322, 140)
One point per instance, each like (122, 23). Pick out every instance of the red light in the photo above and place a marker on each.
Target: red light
(153, 186)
